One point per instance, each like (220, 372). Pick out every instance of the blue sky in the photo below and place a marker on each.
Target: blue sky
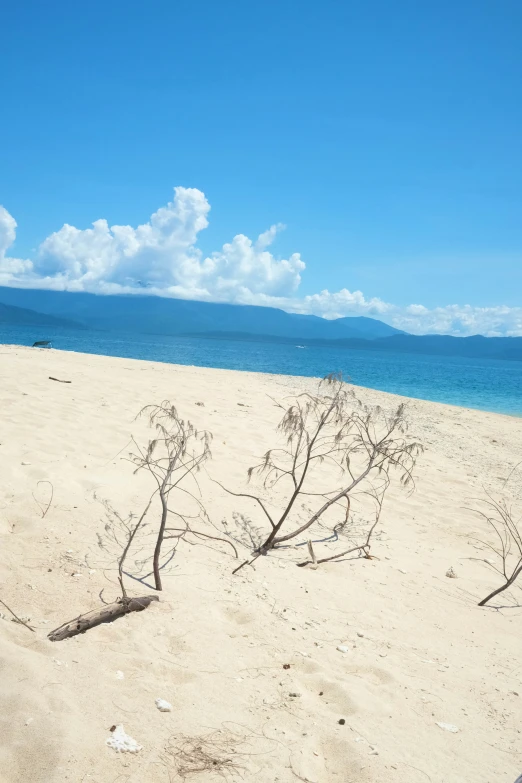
(386, 137)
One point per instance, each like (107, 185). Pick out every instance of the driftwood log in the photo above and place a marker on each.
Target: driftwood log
(107, 614)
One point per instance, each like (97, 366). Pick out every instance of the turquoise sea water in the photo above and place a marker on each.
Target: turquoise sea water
(486, 384)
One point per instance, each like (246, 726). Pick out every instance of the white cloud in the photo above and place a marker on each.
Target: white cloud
(9, 266)
(162, 257)
(161, 252)
(460, 320)
(335, 305)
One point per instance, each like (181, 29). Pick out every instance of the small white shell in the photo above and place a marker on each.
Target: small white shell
(448, 727)
(163, 706)
(343, 648)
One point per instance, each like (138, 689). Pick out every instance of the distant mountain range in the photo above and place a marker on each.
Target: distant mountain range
(22, 317)
(158, 315)
(162, 316)
(476, 347)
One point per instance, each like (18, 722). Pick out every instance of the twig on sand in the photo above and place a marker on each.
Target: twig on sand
(362, 549)
(45, 509)
(246, 562)
(18, 620)
(182, 532)
(58, 379)
(300, 777)
(109, 613)
(312, 554)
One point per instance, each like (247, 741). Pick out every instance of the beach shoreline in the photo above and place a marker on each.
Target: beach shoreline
(317, 377)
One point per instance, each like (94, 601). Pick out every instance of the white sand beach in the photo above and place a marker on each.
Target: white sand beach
(420, 652)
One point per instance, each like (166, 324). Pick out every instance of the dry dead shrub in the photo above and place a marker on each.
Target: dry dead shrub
(329, 438)
(172, 458)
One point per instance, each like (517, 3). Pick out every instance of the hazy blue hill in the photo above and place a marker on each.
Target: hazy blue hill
(366, 325)
(476, 347)
(20, 316)
(157, 315)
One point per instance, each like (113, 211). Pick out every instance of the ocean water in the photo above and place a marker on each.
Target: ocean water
(485, 384)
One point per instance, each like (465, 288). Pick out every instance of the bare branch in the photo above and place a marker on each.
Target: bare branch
(175, 454)
(125, 552)
(17, 619)
(246, 495)
(203, 535)
(499, 516)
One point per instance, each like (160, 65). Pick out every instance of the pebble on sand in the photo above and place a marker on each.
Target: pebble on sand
(121, 742)
(448, 727)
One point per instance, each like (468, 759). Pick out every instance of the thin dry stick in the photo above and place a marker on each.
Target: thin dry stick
(125, 552)
(18, 620)
(250, 561)
(312, 554)
(511, 473)
(43, 509)
(187, 530)
(363, 548)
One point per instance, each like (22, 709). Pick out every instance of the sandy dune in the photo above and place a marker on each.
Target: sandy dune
(420, 652)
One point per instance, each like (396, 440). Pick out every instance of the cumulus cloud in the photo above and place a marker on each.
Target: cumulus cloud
(160, 253)
(9, 266)
(161, 257)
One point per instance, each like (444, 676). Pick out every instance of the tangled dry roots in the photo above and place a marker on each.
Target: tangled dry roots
(217, 751)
